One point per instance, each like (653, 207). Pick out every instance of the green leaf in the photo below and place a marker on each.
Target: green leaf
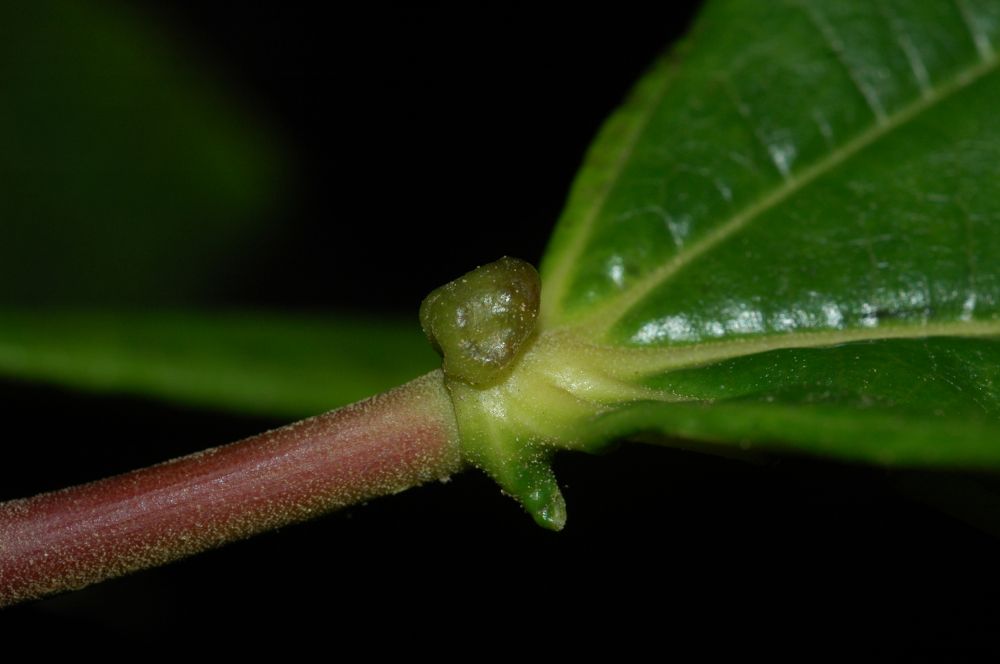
(125, 176)
(788, 236)
(273, 365)
(798, 216)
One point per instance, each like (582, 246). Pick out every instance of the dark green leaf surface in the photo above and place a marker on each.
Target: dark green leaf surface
(791, 233)
(125, 175)
(284, 366)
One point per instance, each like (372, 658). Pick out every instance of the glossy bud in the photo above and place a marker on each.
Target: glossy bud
(480, 321)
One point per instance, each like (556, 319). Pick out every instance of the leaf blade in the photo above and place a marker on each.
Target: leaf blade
(813, 179)
(672, 121)
(269, 364)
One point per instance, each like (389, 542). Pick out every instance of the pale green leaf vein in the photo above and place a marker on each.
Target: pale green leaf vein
(629, 364)
(557, 280)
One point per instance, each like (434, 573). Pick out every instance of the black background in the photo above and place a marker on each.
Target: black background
(425, 140)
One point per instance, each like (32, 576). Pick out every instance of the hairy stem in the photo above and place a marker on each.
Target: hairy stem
(78, 536)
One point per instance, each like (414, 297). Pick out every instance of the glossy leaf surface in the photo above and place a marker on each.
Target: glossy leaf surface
(791, 233)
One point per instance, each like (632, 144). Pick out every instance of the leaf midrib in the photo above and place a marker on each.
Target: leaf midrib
(600, 320)
(635, 363)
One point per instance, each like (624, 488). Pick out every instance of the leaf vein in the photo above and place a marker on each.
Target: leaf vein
(979, 38)
(558, 277)
(638, 362)
(836, 46)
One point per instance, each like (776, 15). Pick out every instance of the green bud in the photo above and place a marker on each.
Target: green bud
(480, 321)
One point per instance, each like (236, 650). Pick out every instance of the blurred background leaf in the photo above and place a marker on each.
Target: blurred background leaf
(130, 182)
(271, 365)
(125, 176)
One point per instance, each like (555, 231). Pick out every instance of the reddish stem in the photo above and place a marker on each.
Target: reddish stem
(74, 537)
